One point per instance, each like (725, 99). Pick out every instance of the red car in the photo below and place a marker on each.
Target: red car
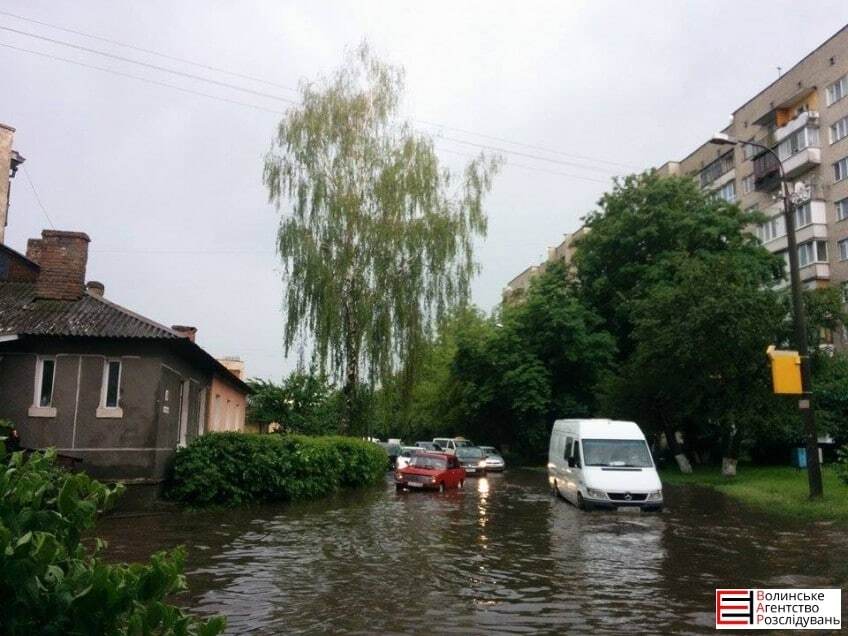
(437, 471)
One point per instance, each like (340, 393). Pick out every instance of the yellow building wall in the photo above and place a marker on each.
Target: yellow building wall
(226, 408)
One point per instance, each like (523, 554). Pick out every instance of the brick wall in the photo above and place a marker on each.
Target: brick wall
(62, 257)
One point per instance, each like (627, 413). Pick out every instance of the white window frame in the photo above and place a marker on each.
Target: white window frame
(748, 184)
(837, 90)
(839, 130)
(840, 169)
(841, 209)
(813, 247)
(36, 410)
(104, 411)
(805, 209)
(843, 249)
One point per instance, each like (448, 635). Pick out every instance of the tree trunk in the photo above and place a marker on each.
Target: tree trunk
(679, 456)
(730, 454)
(351, 372)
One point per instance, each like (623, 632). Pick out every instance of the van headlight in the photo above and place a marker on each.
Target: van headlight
(655, 495)
(596, 494)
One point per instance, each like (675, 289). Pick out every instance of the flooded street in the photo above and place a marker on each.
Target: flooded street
(502, 556)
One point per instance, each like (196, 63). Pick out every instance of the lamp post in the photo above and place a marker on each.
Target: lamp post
(800, 321)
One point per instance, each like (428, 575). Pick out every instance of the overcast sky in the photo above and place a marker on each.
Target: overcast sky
(168, 183)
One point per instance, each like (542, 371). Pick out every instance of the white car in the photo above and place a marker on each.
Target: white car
(494, 462)
(450, 444)
(603, 464)
(405, 456)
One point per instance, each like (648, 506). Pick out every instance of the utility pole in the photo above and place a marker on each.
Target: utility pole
(805, 404)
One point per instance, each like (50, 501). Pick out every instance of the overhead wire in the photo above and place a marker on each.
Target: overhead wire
(37, 198)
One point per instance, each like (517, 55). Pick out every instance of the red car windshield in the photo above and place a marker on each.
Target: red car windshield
(428, 462)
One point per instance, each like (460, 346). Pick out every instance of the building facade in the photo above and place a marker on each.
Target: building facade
(227, 404)
(803, 116)
(564, 252)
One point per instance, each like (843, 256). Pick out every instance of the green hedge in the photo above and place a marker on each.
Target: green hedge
(51, 583)
(235, 468)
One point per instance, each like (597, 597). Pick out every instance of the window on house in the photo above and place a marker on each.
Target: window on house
(110, 393)
(727, 192)
(843, 252)
(842, 209)
(45, 371)
(748, 150)
(803, 215)
(774, 228)
(748, 184)
(837, 90)
(798, 141)
(840, 169)
(844, 288)
(812, 252)
(839, 130)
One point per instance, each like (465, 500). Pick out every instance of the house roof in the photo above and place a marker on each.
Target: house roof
(22, 314)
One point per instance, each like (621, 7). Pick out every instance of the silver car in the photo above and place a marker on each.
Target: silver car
(494, 462)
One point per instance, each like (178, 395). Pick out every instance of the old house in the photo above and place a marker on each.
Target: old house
(95, 380)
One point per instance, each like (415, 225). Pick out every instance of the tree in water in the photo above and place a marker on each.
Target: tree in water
(377, 238)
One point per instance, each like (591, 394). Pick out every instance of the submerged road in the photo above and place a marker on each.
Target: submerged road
(502, 556)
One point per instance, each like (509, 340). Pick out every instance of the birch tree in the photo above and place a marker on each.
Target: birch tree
(376, 236)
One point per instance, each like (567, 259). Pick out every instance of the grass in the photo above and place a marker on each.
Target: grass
(782, 490)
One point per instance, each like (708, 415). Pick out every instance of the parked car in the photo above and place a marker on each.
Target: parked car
(472, 459)
(428, 446)
(603, 464)
(406, 455)
(450, 444)
(494, 461)
(435, 471)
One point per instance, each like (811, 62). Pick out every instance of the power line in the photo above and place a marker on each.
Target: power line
(174, 58)
(288, 88)
(141, 79)
(164, 69)
(37, 198)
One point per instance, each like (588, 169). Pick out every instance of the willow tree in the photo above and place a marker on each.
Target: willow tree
(376, 236)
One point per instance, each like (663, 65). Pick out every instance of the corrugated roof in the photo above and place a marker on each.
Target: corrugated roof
(21, 313)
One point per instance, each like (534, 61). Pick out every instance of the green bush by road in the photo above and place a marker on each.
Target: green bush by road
(781, 490)
(50, 583)
(235, 468)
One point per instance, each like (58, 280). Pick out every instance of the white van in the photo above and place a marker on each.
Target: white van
(603, 464)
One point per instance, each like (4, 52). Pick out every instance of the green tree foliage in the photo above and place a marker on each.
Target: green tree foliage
(304, 403)
(537, 361)
(642, 220)
(376, 240)
(830, 395)
(51, 584)
(237, 468)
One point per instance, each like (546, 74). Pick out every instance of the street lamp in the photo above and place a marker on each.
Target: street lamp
(800, 320)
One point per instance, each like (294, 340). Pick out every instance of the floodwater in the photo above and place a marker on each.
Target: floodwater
(502, 556)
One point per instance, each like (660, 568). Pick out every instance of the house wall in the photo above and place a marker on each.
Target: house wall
(226, 407)
(137, 445)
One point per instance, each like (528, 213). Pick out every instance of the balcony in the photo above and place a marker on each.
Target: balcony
(807, 117)
(766, 172)
(815, 271)
(802, 161)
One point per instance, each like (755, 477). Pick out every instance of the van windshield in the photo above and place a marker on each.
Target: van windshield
(616, 452)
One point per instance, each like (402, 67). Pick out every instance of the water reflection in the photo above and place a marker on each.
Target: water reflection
(499, 556)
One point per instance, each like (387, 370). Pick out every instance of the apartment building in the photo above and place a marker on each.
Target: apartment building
(518, 286)
(803, 116)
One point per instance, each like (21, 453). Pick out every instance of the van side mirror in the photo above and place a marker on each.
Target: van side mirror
(571, 462)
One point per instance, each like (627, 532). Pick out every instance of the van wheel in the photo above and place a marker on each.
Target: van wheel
(581, 503)
(555, 489)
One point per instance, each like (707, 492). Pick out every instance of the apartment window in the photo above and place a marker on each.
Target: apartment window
(727, 192)
(110, 393)
(840, 169)
(45, 371)
(803, 215)
(714, 170)
(748, 150)
(844, 288)
(842, 209)
(798, 141)
(748, 184)
(837, 90)
(839, 130)
(812, 252)
(772, 229)
(843, 253)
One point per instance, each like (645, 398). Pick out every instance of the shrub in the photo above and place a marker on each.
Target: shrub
(51, 584)
(842, 464)
(235, 468)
